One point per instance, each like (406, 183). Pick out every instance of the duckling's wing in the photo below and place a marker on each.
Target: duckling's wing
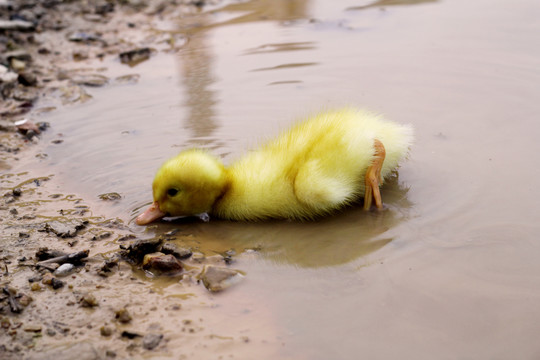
(320, 190)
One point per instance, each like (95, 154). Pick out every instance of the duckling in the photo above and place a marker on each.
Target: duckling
(320, 165)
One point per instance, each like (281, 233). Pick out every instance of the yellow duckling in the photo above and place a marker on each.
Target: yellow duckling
(320, 165)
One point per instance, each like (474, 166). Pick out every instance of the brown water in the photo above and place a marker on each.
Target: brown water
(450, 270)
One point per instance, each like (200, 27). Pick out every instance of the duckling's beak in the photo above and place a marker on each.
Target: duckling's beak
(151, 214)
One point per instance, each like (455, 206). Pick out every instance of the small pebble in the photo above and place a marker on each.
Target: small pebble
(5, 323)
(30, 134)
(32, 328)
(17, 65)
(133, 57)
(179, 253)
(217, 278)
(35, 287)
(57, 284)
(43, 125)
(151, 341)
(25, 300)
(80, 55)
(47, 279)
(64, 270)
(161, 263)
(123, 316)
(105, 331)
(94, 80)
(27, 79)
(129, 334)
(89, 300)
(20, 25)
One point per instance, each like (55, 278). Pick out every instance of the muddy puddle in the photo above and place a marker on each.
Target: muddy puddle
(450, 269)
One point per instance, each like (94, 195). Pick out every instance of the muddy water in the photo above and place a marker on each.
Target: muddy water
(451, 269)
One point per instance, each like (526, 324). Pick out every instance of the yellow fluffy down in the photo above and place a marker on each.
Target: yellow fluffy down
(313, 169)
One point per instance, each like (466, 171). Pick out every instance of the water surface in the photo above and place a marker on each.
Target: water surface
(451, 269)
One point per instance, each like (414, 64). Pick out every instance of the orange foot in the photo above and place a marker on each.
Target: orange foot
(373, 178)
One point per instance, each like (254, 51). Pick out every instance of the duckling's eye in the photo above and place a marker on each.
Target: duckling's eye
(172, 192)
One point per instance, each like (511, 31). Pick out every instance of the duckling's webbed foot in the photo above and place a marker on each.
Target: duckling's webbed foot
(373, 177)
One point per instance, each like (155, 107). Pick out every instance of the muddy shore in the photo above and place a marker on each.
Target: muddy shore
(62, 265)
(450, 270)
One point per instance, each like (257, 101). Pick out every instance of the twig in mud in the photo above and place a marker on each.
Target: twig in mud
(73, 258)
(14, 305)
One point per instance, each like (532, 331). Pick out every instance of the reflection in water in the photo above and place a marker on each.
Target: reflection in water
(330, 241)
(264, 10)
(272, 48)
(200, 99)
(383, 3)
(196, 59)
(286, 66)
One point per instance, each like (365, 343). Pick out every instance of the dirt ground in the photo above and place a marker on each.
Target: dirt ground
(68, 290)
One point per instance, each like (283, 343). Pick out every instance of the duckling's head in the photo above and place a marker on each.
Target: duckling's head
(186, 184)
